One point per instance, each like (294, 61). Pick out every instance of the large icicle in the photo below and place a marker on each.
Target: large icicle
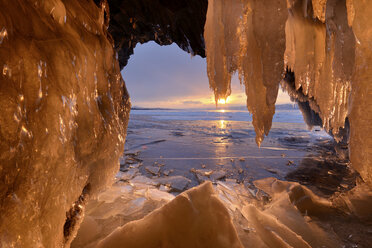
(238, 38)
(221, 44)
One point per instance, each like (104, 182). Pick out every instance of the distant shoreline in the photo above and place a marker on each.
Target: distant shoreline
(287, 106)
(140, 108)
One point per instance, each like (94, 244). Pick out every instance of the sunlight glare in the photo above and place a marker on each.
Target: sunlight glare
(223, 101)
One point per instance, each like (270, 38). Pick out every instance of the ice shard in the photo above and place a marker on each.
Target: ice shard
(63, 120)
(195, 218)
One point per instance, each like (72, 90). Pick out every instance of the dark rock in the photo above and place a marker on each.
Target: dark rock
(136, 21)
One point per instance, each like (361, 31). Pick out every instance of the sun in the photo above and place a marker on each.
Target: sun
(223, 101)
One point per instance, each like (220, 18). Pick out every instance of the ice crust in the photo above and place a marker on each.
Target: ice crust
(195, 218)
(63, 120)
(326, 44)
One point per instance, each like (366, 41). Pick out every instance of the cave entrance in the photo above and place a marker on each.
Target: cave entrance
(177, 136)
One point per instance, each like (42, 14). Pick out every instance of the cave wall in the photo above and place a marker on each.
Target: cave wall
(360, 108)
(63, 118)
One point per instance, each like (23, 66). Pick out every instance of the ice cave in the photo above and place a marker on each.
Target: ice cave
(66, 108)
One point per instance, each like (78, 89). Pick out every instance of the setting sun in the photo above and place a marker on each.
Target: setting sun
(223, 101)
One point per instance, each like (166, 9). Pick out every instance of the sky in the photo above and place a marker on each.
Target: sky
(168, 77)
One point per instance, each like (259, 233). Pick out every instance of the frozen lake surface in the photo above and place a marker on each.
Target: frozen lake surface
(220, 145)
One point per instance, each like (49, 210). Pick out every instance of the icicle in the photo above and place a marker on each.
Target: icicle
(239, 39)
(218, 46)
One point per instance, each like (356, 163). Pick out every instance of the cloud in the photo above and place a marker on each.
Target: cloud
(192, 102)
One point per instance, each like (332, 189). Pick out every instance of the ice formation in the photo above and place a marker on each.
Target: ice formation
(65, 106)
(63, 119)
(272, 213)
(195, 218)
(325, 44)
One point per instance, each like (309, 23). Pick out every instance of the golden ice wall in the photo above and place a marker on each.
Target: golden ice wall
(63, 118)
(361, 93)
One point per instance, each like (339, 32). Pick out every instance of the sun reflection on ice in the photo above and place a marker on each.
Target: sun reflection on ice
(222, 124)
